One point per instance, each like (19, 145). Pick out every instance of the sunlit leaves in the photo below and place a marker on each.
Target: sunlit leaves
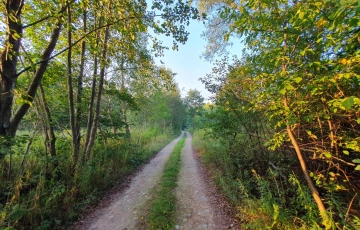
(306, 53)
(348, 102)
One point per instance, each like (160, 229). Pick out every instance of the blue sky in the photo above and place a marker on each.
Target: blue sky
(187, 63)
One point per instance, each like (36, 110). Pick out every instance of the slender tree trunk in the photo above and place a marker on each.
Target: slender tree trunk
(92, 99)
(80, 86)
(8, 61)
(301, 159)
(313, 189)
(113, 125)
(51, 134)
(75, 147)
(123, 103)
(99, 93)
(50, 138)
(127, 128)
(40, 111)
(91, 110)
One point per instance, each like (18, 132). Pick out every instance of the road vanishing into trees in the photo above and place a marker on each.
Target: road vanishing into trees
(197, 206)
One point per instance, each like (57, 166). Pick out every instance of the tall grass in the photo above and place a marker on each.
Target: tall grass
(37, 196)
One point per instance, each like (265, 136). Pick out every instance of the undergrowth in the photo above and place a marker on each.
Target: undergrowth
(161, 214)
(268, 200)
(40, 197)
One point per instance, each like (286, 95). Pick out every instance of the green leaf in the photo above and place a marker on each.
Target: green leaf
(348, 102)
(356, 161)
(289, 87)
(298, 79)
(346, 152)
(358, 120)
(242, 9)
(357, 167)
(327, 155)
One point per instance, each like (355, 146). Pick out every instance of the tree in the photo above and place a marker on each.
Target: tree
(194, 103)
(299, 66)
(133, 20)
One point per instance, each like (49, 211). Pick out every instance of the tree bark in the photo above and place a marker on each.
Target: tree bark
(123, 103)
(51, 134)
(302, 162)
(75, 146)
(92, 99)
(8, 61)
(99, 93)
(20, 113)
(80, 86)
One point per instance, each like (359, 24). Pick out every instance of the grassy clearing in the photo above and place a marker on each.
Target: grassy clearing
(161, 215)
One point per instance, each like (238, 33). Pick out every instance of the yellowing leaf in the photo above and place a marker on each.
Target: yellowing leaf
(301, 15)
(322, 22)
(311, 134)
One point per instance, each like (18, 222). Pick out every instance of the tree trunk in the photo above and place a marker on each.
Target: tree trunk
(99, 93)
(20, 113)
(113, 125)
(91, 110)
(51, 134)
(92, 99)
(80, 86)
(50, 138)
(8, 61)
(314, 191)
(123, 103)
(75, 146)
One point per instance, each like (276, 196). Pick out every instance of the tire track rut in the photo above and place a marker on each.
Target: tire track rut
(122, 213)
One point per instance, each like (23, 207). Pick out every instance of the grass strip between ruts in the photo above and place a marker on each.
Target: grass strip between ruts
(163, 207)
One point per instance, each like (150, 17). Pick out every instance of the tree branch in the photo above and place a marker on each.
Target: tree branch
(49, 16)
(75, 43)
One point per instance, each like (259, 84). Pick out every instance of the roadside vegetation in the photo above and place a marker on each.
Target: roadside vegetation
(162, 208)
(82, 101)
(50, 198)
(281, 134)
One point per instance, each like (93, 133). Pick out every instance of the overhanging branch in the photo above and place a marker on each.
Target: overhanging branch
(79, 40)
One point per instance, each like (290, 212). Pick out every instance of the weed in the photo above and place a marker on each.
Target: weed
(163, 207)
(43, 198)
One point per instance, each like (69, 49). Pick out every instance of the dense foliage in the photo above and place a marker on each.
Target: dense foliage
(82, 102)
(288, 109)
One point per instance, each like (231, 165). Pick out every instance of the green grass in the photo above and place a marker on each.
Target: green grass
(163, 207)
(36, 199)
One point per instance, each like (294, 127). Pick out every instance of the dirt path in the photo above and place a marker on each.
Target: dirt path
(199, 205)
(122, 213)
(196, 208)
